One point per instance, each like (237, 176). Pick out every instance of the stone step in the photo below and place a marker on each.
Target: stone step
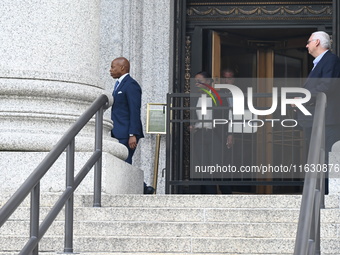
(167, 229)
(139, 253)
(157, 229)
(242, 215)
(330, 246)
(183, 201)
(188, 215)
(160, 244)
(330, 223)
(176, 201)
(177, 224)
(204, 201)
(330, 215)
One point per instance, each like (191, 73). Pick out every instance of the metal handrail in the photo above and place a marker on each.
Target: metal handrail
(32, 184)
(308, 232)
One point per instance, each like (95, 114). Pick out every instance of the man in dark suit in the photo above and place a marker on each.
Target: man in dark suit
(324, 77)
(126, 109)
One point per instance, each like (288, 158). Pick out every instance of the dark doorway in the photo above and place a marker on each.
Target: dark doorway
(268, 54)
(268, 43)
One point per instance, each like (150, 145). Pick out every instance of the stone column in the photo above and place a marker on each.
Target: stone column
(49, 75)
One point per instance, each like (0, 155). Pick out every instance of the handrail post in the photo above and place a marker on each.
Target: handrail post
(317, 250)
(32, 183)
(326, 175)
(98, 165)
(34, 215)
(323, 183)
(68, 247)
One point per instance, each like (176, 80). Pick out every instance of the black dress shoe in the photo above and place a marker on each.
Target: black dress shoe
(149, 190)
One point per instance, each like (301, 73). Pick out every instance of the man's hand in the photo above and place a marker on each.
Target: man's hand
(293, 105)
(133, 142)
(192, 129)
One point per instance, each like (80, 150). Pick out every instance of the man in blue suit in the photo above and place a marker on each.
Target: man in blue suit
(324, 77)
(126, 109)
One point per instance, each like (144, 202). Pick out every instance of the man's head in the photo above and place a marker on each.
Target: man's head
(119, 67)
(228, 76)
(202, 78)
(318, 43)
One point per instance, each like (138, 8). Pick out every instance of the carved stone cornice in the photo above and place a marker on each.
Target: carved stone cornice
(193, 3)
(260, 11)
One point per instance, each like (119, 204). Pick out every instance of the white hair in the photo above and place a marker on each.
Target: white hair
(325, 40)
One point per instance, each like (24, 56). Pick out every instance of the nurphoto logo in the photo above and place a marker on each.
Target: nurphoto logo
(238, 105)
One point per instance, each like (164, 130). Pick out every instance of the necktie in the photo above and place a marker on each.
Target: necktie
(116, 86)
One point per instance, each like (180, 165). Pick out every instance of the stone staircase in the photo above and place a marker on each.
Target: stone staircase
(176, 224)
(330, 229)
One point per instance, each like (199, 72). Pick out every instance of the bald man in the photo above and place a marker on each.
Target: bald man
(125, 113)
(126, 109)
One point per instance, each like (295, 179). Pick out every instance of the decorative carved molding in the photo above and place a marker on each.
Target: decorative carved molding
(186, 113)
(264, 3)
(315, 11)
(282, 10)
(264, 19)
(187, 64)
(186, 141)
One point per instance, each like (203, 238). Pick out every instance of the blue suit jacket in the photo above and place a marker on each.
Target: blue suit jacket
(325, 78)
(126, 109)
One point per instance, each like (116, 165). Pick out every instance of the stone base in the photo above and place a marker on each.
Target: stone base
(118, 177)
(334, 180)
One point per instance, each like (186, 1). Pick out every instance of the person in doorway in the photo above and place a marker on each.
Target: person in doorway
(202, 137)
(126, 109)
(208, 143)
(322, 79)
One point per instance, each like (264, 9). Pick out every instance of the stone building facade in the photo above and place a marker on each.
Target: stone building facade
(55, 60)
